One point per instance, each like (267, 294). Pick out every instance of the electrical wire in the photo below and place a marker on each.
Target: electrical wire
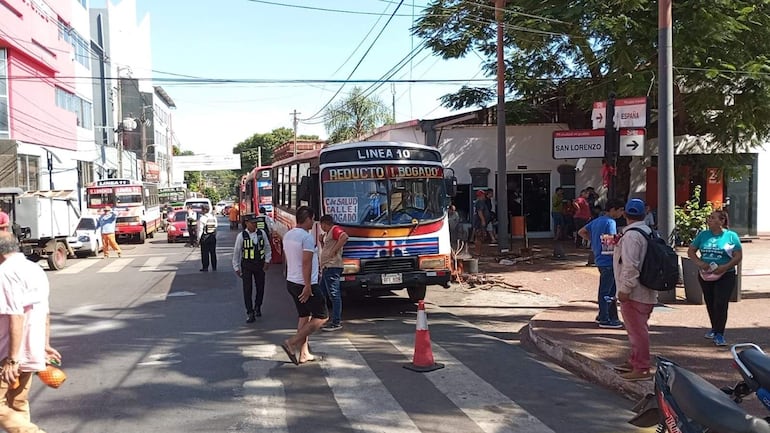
(376, 38)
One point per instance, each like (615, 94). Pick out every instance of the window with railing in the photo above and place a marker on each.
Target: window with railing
(80, 47)
(71, 102)
(4, 110)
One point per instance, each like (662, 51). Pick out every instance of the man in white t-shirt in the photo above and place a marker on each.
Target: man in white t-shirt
(301, 256)
(24, 330)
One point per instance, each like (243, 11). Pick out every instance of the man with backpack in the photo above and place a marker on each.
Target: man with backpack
(251, 255)
(636, 300)
(207, 238)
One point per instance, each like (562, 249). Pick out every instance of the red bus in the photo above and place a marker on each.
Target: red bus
(136, 203)
(257, 191)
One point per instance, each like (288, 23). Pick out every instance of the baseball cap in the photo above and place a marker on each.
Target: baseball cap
(107, 208)
(635, 207)
(251, 218)
(480, 192)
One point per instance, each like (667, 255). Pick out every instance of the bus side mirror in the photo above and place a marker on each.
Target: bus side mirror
(451, 186)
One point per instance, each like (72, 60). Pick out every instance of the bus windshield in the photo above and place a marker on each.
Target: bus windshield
(385, 201)
(128, 195)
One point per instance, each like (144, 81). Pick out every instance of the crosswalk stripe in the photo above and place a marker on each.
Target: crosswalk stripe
(77, 267)
(152, 264)
(357, 389)
(490, 409)
(265, 395)
(115, 265)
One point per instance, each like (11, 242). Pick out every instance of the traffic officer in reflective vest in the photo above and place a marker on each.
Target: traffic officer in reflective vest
(251, 255)
(207, 238)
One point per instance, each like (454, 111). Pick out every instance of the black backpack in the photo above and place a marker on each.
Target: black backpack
(660, 269)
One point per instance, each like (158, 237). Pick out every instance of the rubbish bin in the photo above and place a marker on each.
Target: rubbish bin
(736, 296)
(518, 226)
(692, 290)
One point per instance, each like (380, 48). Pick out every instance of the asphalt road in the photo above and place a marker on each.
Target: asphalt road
(152, 344)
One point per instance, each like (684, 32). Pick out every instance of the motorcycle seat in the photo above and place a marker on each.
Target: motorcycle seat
(758, 364)
(707, 405)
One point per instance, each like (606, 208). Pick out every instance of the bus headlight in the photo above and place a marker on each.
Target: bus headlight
(351, 266)
(434, 262)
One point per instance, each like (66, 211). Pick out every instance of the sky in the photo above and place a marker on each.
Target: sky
(249, 39)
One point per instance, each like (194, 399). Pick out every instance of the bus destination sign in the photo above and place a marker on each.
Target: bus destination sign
(381, 153)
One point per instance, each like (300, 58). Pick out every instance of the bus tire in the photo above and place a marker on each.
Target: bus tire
(142, 236)
(58, 257)
(416, 293)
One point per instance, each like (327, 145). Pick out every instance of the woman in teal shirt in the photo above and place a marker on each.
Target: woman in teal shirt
(720, 251)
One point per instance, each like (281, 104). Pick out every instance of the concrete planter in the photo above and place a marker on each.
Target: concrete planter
(692, 290)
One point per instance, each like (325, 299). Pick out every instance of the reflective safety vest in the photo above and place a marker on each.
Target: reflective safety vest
(210, 227)
(250, 253)
(262, 224)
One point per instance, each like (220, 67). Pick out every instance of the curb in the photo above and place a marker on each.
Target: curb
(585, 365)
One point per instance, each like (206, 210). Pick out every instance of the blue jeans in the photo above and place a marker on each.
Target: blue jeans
(608, 309)
(330, 286)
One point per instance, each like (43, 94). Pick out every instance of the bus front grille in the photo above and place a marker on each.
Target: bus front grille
(388, 265)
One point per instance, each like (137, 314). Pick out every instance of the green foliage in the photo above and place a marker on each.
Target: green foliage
(266, 143)
(212, 194)
(690, 218)
(561, 55)
(355, 116)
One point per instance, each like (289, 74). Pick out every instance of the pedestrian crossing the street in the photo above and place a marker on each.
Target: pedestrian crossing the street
(365, 398)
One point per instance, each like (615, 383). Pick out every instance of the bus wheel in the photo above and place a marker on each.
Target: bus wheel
(151, 234)
(142, 236)
(416, 293)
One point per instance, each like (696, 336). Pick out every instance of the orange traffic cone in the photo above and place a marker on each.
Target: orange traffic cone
(423, 354)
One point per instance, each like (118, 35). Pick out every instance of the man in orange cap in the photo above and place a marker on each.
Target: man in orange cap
(108, 222)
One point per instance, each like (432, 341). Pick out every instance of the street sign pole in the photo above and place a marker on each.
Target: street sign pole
(665, 123)
(610, 143)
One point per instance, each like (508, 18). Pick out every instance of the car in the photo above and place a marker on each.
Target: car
(219, 207)
(177, 227)
(197, 203)
(87, 239)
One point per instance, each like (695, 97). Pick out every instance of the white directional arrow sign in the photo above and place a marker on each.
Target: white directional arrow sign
(597, 115)
(632, 142)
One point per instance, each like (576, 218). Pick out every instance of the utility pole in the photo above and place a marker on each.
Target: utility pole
(503, 238)
(611, 144)
(120, 127)
(393, 95)
(665, 122)
(296, 121)
(143, 141)
(259, 156)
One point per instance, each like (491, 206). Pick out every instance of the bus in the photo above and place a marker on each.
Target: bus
(173, 196)
(257, 191)
(136, 203)
(391, 199)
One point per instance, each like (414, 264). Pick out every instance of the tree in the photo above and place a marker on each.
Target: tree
(575, 52)
(266, 143)
(355, 116)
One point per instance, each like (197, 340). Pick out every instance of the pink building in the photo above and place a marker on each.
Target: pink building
(40, 110)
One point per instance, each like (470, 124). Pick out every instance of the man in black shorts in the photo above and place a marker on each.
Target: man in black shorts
(301, 257)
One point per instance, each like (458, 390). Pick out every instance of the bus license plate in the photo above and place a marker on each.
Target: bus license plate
(392, 279)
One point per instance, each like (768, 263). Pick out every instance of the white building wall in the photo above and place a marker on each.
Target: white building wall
(410, 134)
(130, 42)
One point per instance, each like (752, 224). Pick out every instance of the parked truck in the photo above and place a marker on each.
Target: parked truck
(42, 221)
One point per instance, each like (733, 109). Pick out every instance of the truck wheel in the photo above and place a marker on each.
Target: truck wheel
(416, 293)
(58, 258)
(142, 236)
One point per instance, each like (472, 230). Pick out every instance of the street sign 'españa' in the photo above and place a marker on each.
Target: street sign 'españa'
(632, 142)
(580, 143)
(629, 113)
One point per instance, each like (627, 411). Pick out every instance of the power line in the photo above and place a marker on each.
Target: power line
(313, 8)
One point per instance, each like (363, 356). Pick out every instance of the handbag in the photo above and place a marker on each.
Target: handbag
(709, 276)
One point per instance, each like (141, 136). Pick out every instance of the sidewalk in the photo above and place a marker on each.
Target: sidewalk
(569, 334)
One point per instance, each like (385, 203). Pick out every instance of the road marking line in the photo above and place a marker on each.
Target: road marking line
(358, 390)
(490, 409)
(152, 264)
(77, 267)
(116, 265)
(265, 395)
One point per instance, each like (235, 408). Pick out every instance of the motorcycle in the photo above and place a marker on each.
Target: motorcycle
(754, 367)
(686, 403)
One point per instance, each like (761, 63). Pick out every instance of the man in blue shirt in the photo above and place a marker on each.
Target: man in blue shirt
(108, 221)
(601, 232)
